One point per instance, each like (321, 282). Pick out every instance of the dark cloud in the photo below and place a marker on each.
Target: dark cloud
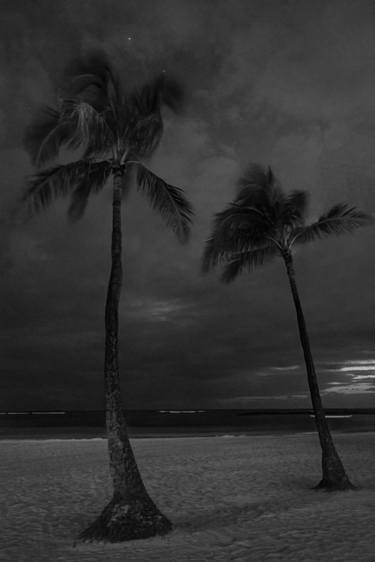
(280, 82)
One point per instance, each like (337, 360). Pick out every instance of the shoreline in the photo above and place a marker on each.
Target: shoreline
(182, 435)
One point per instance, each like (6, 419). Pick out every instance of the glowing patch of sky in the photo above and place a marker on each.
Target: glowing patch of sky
(358, 388)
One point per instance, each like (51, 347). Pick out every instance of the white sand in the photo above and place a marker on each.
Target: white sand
(231, 499)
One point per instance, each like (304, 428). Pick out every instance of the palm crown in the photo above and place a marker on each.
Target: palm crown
(263, 222)
(113, 131)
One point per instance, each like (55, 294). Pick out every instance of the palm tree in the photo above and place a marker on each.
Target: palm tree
(114, 132)
(261, 223)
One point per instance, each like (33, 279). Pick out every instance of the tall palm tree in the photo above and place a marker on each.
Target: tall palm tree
(261, 223)
(113, 131)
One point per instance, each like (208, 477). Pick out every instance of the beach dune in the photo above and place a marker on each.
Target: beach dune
(238, 499)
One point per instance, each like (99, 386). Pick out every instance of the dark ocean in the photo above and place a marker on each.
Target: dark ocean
(172, 423)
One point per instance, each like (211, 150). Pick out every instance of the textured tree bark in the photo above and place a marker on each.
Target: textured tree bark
(334, 475)
(131, 514)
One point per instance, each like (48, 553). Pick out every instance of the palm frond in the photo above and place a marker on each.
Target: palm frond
(258, 187)
(294, 208)
(168, 200)
(94, 62)
(248, 260)
(81, 82)
(93, 180)
(255, 176)
(77, 179)
(235, 229)
(91, 79)
(340, 219)
(49, 131)
(90, 128)
(73, 125)
(218, 249)
(145, 134)
(161, 90)
(144, 126)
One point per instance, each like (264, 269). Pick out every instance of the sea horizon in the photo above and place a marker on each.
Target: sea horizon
(65, 424)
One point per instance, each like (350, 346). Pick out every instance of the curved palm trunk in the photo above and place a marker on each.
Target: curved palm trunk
(334, 475)
(131, 514)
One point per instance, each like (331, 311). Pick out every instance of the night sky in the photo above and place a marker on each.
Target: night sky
(290, 84)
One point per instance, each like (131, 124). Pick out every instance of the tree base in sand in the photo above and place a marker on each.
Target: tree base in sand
(126, 521)
(331, 485)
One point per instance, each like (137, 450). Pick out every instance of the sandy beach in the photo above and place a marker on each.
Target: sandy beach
(230, 498)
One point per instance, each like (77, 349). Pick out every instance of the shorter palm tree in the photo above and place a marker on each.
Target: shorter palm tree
(261, 223)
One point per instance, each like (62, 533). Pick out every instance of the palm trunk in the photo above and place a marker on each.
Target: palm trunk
(131, 514)
(334, 475)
